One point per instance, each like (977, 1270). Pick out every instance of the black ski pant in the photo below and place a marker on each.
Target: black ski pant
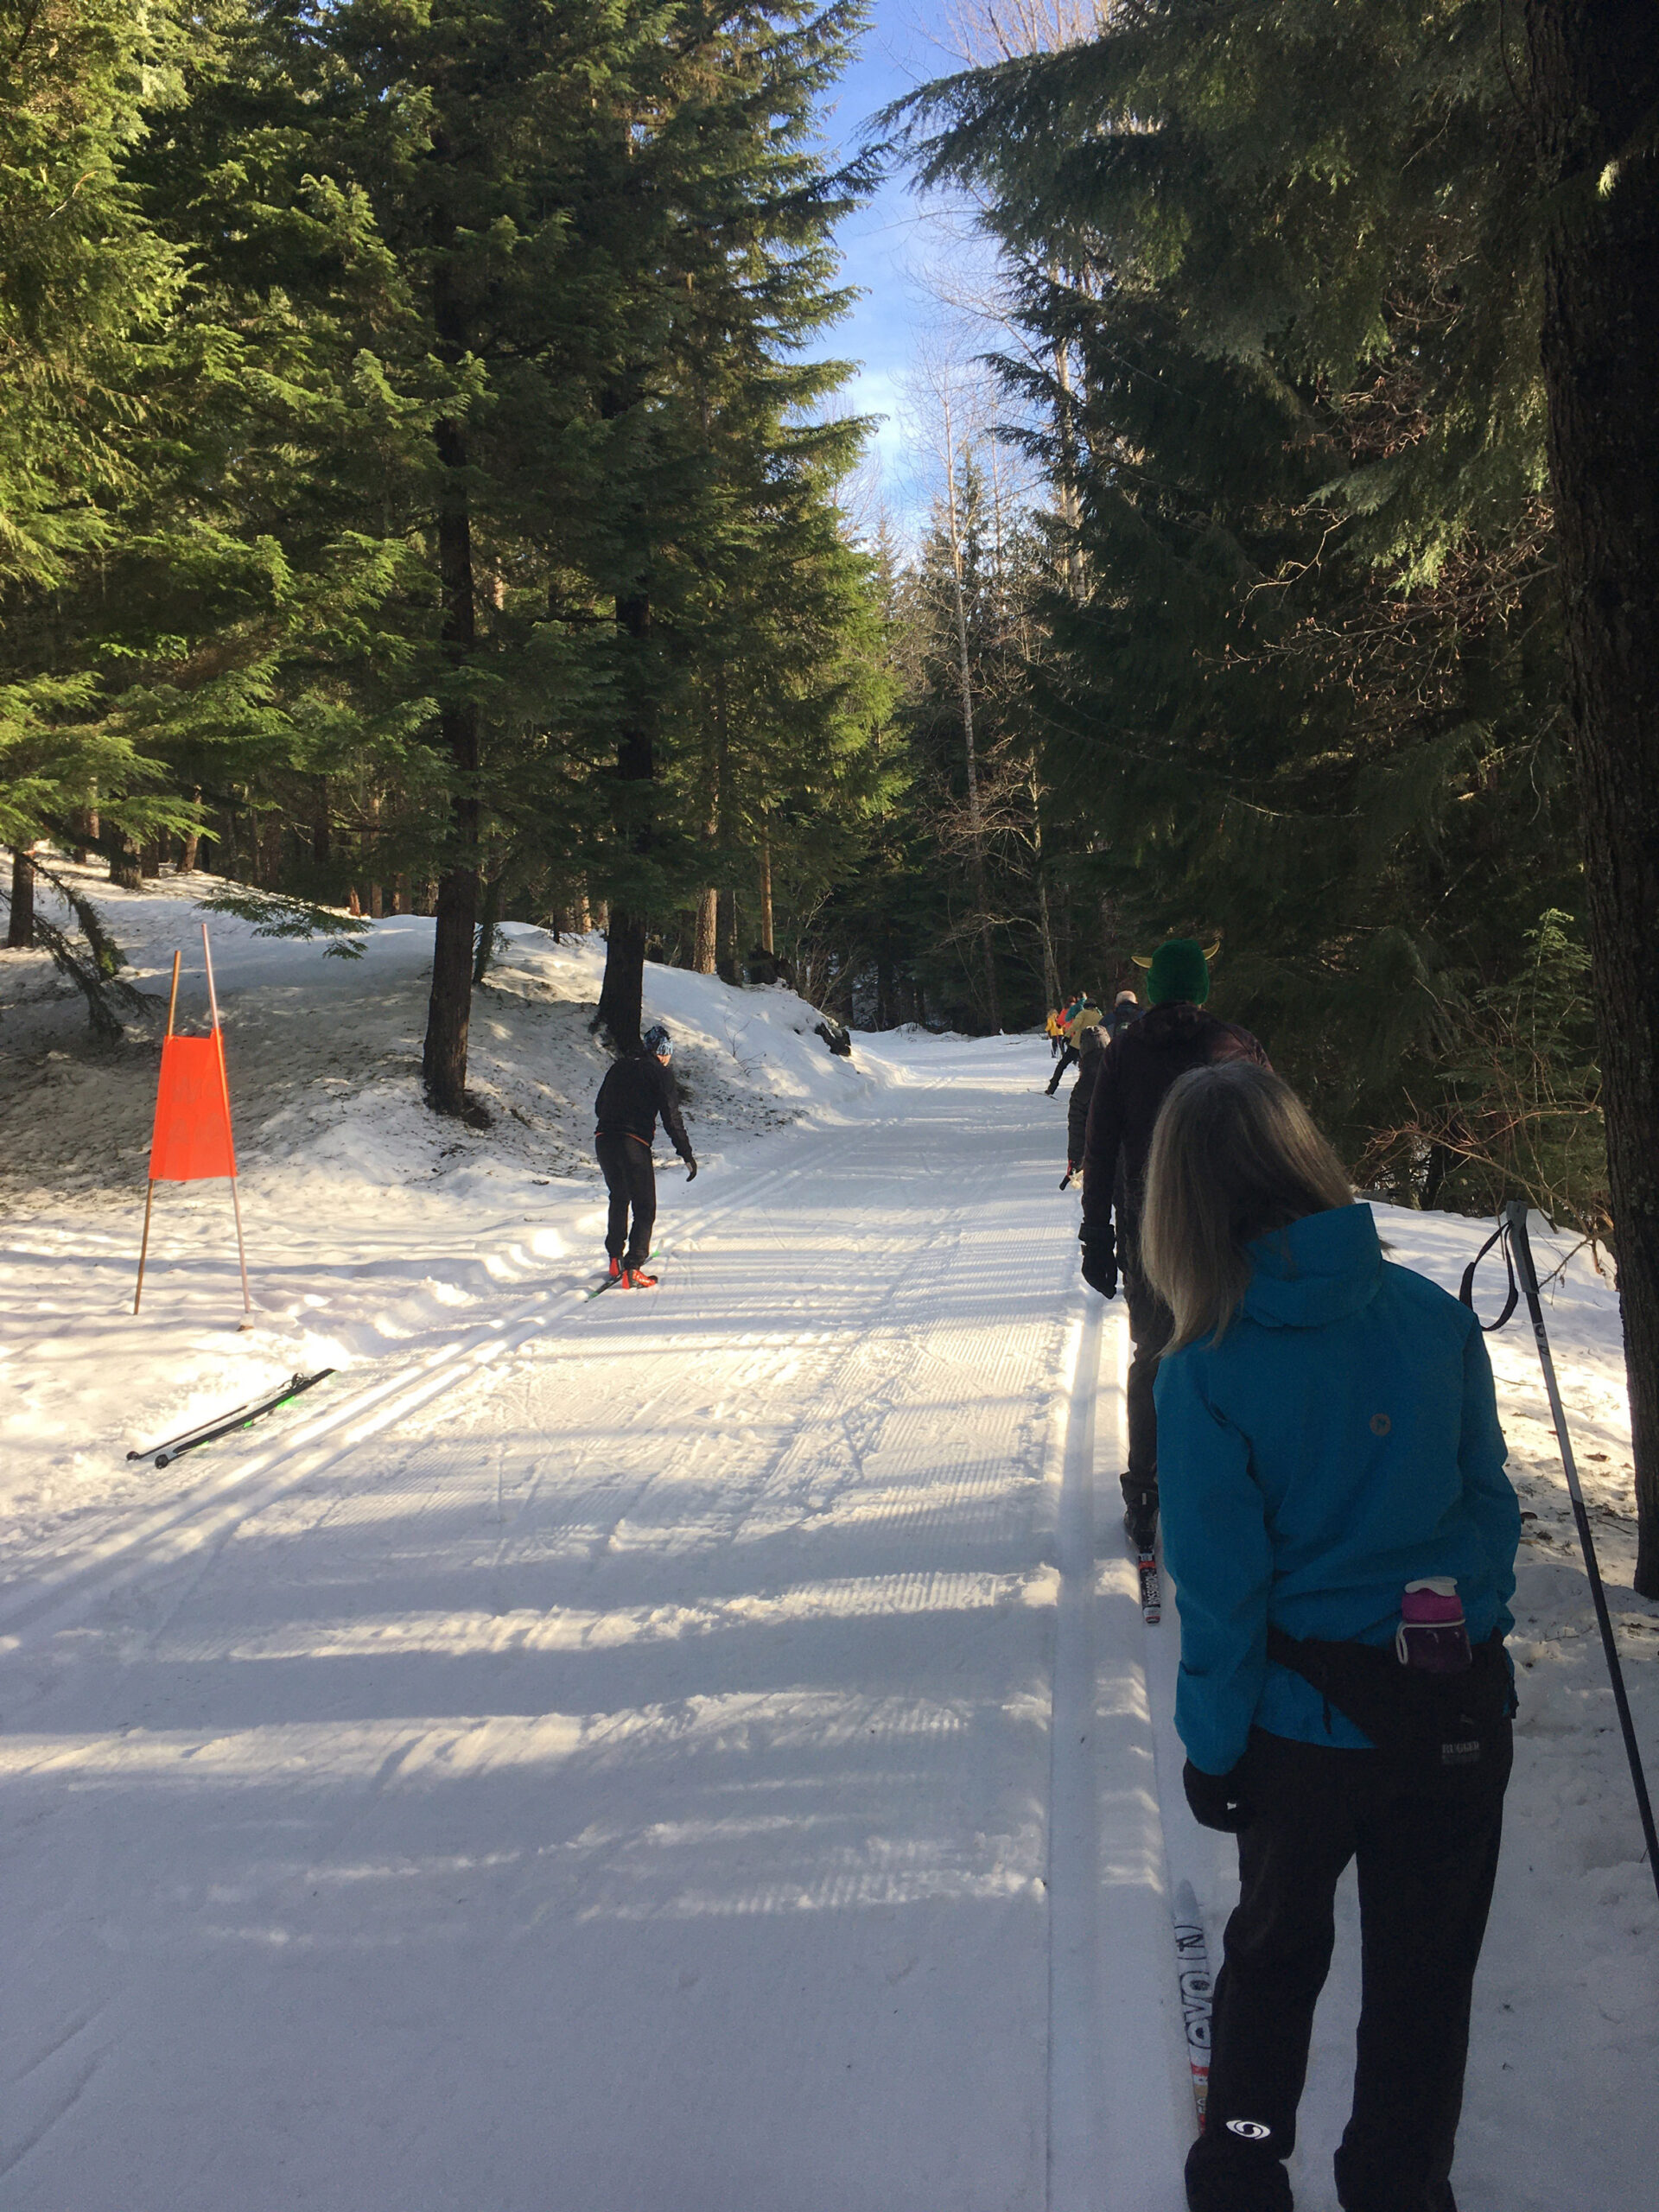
(1427, 1849)
(632, 1181)
(1150, 1324)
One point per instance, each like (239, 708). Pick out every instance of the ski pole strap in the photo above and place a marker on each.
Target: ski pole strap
(1499, 1237)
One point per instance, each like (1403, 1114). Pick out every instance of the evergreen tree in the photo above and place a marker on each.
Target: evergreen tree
(84, 282)
(1311, 696)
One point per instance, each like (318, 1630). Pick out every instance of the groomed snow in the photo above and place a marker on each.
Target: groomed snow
(609, 1756)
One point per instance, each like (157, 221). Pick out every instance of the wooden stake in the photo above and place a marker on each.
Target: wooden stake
(236, 1203)
(150, 1196)
(144, 1249)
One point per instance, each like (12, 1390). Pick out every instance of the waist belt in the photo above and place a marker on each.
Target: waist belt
(1434, 1723)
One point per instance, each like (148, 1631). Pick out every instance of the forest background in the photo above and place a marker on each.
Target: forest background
(421, 487)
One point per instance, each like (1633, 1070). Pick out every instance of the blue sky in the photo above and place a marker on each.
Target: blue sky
(883, 242)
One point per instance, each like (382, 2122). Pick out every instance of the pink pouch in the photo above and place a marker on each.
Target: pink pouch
(1433, 1635)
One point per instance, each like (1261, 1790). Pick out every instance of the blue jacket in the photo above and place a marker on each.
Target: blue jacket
(1339, 1441)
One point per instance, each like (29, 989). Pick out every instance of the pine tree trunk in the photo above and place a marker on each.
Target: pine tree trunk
(622, 993)
(124, 868)
(703, 948)
(766, 945)
(268, 844)
(321, 826)
(1050, 966)
(1595, 83)
(448, 1011)
(964, 670)
(20, 928)
(484, 952)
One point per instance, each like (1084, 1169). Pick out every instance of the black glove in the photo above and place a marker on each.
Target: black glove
(1100, 1265)
(690, 1169)
(1216, 1799)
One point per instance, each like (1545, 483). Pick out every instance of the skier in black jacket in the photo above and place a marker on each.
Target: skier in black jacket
(1091, 1043)
(1137, 1070)
(636, 1089)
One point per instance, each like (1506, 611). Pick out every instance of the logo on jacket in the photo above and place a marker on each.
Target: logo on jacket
(1253, 2131)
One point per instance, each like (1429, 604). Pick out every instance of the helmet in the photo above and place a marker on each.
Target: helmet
(655, 1040)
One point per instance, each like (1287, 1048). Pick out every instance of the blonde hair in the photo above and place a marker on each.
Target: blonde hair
(1234, 1155)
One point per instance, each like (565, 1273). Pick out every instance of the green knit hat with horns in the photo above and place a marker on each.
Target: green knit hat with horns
(1179, 970)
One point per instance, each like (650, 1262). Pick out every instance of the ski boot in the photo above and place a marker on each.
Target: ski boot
(637, 1279)
(616, 1269)
(1140, 1521)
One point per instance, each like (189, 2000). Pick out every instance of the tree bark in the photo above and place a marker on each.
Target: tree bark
(621, 994)
(20, 928)
(703, 948)
(125, 867)
(448, 1011)
(975, 829)
(766, 945)
(1595, 83)
(489, 918)
(321, 826)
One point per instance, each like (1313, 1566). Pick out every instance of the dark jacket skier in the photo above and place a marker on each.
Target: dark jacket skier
(1173, 1035)
(638, 1089)
(1091, 1046)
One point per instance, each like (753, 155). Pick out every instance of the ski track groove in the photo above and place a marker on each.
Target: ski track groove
(82, 1574)
(862, 1426)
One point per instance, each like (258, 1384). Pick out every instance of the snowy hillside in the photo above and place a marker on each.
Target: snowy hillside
(687, 1752)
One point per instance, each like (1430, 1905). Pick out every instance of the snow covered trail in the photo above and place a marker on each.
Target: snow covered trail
(622, 1787)
(701, 1752)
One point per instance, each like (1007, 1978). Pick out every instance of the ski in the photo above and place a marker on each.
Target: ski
(1152, 1594)
(612, 1282)
(1198, 1989)
(192, 1440)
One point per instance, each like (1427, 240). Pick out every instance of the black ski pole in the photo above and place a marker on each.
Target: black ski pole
(1515, 1220)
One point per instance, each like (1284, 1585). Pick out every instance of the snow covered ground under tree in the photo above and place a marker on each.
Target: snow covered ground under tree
(683, 1753)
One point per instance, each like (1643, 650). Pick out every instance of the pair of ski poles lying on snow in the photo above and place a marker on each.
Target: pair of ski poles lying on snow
(1510, 1236)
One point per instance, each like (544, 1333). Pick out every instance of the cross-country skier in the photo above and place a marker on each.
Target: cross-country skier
(1083, 1014)
(1343, 1537)
(1171, 1037)
(1126, 1008)
(1091, 1044)
(636, 1089)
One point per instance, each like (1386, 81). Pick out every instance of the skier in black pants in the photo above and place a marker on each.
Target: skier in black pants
(1144, 1059)
(1343, 1535)
(1091, 1043)
(636, 1089)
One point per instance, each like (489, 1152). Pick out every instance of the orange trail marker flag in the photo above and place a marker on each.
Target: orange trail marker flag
(191, 1136)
